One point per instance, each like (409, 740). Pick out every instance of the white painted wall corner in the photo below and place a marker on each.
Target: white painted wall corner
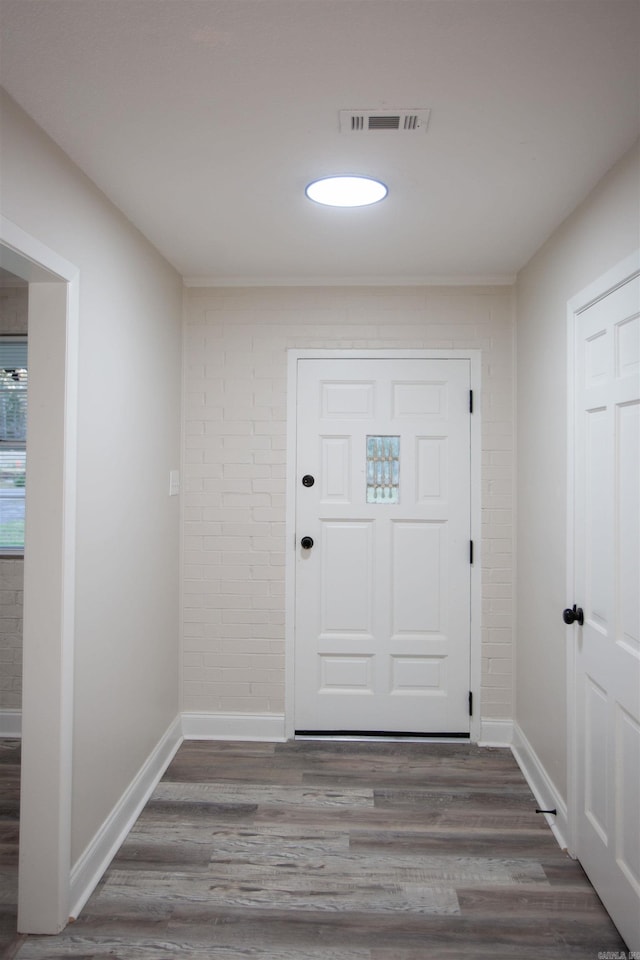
(496, 733)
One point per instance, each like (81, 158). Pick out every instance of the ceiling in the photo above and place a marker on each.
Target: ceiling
(203, 120)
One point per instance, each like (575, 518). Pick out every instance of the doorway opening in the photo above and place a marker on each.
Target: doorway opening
(603, 550)
(45, 807)
(384, 471)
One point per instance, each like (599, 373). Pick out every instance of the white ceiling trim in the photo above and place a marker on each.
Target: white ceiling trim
(498, 280)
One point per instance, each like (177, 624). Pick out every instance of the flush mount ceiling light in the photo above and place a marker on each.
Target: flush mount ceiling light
(349, 191)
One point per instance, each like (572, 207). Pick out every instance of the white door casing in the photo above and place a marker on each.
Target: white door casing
(49, 581)
(382, 599)
(604, 580)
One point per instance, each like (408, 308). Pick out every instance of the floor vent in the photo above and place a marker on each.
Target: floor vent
(397, 121)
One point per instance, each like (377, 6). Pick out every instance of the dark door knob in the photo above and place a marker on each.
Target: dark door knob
(308, 480)
(571, 615)
(306, 543)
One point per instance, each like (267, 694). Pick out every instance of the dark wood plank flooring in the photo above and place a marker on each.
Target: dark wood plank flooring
(337, 850)
(9, 832)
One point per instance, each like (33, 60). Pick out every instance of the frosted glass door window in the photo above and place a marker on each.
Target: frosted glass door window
(383, 469)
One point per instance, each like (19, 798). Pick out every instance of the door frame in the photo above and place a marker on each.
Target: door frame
(474, 358)
(618, 275)
(44, 872)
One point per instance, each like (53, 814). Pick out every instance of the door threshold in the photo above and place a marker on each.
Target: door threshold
(379, 735)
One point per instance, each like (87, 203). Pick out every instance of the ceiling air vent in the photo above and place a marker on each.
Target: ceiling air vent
(397, 121)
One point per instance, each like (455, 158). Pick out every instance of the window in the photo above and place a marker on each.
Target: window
(13, 442)
(383, 469)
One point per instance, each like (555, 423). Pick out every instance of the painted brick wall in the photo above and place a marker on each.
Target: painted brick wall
(13, 320)
(11, 581)
(235, 461)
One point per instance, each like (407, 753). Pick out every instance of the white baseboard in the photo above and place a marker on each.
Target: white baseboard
(496, 733)
(238, 726)
(88, 870)
(233, 726)
(11, 724)
(542, 786)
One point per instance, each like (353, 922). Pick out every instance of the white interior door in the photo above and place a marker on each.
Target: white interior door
(607, 586)
(382, 622)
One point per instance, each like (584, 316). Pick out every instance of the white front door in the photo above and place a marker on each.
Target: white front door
(607, 587)
(382, 621)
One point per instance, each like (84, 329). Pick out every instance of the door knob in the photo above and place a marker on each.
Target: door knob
(306, 543)
(571, 615)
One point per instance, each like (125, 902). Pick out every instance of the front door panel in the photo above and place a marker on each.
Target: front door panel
(383, 595)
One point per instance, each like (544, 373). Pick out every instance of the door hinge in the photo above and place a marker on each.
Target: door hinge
(470, 703)
(470, 551)
(470, 401)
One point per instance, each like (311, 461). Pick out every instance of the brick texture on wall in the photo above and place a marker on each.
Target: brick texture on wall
(11, 580)
(235, 368)
(14, 306)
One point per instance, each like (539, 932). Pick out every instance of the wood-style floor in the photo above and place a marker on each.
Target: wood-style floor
(9, 829)
(318, 850)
